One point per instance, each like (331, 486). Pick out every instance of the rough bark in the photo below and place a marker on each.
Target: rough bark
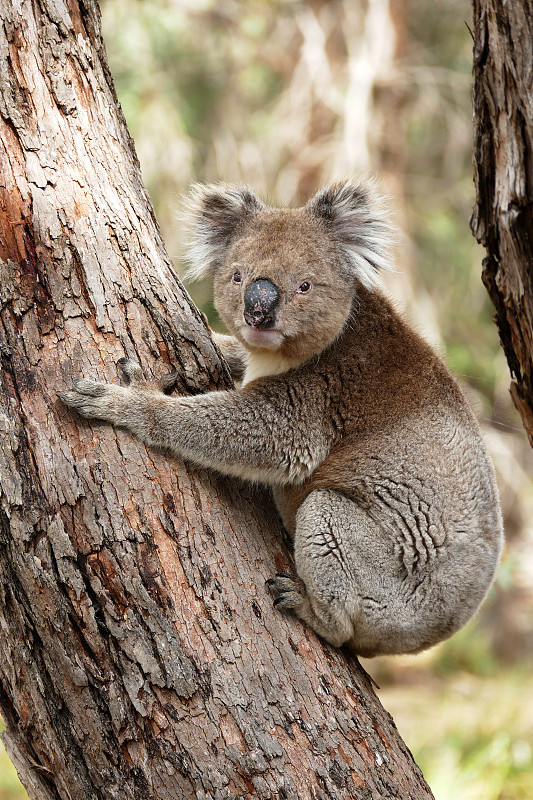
(503, 159)
(141, 656)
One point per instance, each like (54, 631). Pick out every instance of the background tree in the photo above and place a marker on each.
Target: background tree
(503, 159)
(141, 656)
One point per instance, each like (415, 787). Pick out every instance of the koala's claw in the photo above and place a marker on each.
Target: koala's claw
(131, 371)
(108, 401)
(288, 590)
(167, 382)
(134, 377)
(83, 389)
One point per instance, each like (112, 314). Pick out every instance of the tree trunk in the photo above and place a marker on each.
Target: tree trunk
(503, 158)
(141, 656)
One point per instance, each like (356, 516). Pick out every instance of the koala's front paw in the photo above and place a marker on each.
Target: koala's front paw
(288, 591)
(113, 403)
(133, 376)
(96, 400)
(105, 401)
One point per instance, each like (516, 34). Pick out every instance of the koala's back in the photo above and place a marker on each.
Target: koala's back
(407, 452)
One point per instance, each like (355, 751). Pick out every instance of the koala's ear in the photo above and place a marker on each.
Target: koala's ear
(212, 215)
(359, 223)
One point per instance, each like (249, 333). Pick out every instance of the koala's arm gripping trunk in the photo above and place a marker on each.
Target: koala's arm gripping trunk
(229, 431)
(226, 431)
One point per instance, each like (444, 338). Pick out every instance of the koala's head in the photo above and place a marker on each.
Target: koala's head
(285, 279)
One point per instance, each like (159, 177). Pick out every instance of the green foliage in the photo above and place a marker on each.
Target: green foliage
(472, 736)
(183, 75)
(469, 651)
(445, 258)
(440, 189)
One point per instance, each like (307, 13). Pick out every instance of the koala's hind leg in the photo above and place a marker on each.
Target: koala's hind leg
(322, 595)
(340, 563)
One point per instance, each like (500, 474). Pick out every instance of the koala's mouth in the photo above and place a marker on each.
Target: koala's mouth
(269, 339)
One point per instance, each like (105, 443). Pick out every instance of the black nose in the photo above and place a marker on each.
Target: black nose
(260, 300)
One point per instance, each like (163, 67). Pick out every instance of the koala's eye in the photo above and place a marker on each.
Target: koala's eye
(236, 277)
(304, 287)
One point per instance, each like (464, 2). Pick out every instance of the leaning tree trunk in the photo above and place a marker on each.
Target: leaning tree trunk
(141, 656)
(503, 159)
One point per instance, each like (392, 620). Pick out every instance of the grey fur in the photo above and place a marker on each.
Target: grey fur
(377, 464)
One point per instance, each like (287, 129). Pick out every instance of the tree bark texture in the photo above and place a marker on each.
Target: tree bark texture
(141, 656)
(503, 168)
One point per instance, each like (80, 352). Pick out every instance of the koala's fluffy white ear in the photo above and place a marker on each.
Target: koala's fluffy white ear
(212, 215)
(359, 223)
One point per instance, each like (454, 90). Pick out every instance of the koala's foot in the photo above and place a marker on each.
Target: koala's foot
(290, 594)
(103, 401)
(288, 591)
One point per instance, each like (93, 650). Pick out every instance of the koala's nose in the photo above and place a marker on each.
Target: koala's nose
(260, 300)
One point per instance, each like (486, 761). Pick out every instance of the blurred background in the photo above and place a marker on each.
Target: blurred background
(287, 96)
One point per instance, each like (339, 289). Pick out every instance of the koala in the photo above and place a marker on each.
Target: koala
(376, 463)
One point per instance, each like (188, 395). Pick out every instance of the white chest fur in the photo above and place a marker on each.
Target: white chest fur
(263, 363)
